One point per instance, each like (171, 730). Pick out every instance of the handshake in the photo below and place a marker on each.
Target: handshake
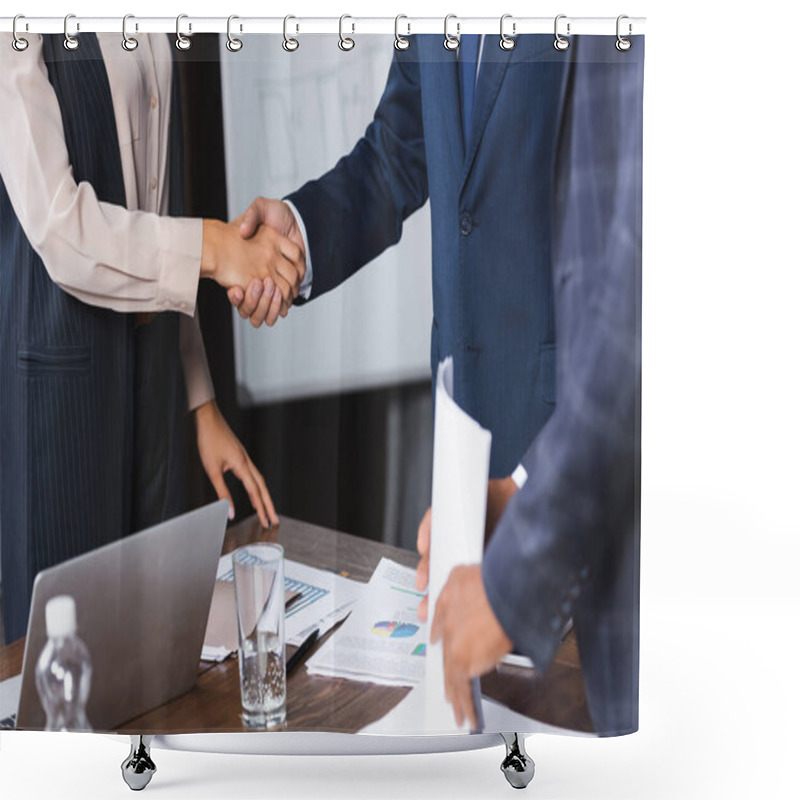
(259, 258)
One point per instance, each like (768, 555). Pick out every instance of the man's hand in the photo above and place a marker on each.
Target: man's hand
(472, 640)
(499, 493)
(423, 568)
(277, 215)
(269, 264)
(501, 490)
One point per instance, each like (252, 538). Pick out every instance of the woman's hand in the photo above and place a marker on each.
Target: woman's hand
(221, 451)
(270, 263)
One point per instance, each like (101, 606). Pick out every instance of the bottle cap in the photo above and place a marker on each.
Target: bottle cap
(59, 614)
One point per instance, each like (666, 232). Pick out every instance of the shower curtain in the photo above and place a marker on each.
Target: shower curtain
(470, 213)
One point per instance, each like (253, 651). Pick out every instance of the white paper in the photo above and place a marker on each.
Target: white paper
(460, 479)
(10, 690)
(383, 640)
(326, 597)
(461, 451)
(214, 653)
(405, 719)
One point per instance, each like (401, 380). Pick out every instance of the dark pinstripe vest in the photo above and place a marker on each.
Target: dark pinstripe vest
(70, 375)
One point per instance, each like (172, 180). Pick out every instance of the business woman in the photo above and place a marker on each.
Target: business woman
(98, 284)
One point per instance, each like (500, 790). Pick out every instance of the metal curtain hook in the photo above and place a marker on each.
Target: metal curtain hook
(451, 42)
(70, 42)
(506, 42)
(289, 44)
(345, 42)
(623, 44)
(182, 42)
(233, 44)
(129, 43)
(18, 43)
(400, 42)
(560, 42)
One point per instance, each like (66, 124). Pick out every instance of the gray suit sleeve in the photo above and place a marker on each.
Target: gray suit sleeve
(561, 529)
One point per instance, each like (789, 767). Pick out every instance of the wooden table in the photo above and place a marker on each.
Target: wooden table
(334, 704)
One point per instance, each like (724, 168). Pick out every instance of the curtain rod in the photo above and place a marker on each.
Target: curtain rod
(630, 26)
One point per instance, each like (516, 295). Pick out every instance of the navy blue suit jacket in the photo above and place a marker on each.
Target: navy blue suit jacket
(491, 216)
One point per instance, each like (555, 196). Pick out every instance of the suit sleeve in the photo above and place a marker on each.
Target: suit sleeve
(562, 530)
(356, 210)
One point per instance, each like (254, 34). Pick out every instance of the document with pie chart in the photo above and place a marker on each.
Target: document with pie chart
(382, 641)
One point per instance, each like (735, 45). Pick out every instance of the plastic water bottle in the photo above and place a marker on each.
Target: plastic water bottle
(64, 670)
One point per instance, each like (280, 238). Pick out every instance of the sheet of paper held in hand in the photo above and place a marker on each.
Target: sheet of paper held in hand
(325, 599)
(382, 641)
(461, 450)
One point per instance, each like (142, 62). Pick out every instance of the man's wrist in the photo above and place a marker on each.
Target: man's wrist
(305, 284)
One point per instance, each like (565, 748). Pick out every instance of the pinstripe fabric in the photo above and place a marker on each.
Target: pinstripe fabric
(158, 490)
(160, 401)
(67, 370)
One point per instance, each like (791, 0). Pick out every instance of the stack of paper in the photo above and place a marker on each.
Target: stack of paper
(382, 641)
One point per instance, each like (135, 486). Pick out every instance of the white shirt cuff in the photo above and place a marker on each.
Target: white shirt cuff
(519, 476)
(305, 286)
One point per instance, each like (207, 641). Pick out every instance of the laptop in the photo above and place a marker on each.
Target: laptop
(142, 605)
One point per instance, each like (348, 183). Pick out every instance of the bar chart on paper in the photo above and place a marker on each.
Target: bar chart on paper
(325, 598)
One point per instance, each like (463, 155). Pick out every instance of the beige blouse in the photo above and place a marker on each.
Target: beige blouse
(133, 259)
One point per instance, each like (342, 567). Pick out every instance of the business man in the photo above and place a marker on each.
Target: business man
(482, 135)
(477, 137)
(567, 543)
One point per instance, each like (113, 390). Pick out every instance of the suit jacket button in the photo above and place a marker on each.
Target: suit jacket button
(555, 623)
(574, 591)
(465, 224)
(584, 573)
(565, 607)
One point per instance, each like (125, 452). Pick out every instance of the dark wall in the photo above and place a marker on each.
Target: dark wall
(334, 461)
(204, 170)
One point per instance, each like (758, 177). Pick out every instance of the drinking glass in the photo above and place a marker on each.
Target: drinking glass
(259, 588)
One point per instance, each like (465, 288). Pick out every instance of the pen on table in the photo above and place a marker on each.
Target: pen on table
(307, 644)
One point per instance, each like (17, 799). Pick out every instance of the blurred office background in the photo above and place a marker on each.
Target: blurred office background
(334, 402)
